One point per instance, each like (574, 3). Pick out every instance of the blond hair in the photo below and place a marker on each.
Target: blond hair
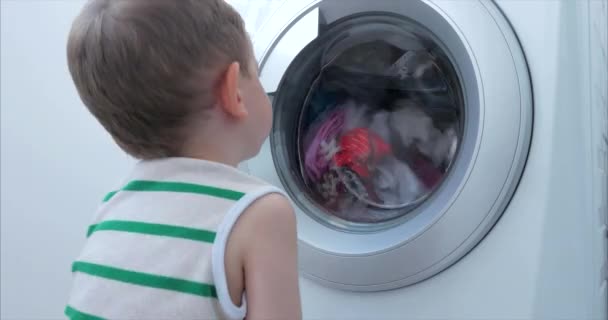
(143, 68)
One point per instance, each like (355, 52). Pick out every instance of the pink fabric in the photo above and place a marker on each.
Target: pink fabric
(316, 161)
(426, 171)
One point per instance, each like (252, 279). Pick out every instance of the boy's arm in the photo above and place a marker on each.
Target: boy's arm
(268, 238)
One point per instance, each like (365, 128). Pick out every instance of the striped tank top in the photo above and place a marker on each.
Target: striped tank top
(156, 247)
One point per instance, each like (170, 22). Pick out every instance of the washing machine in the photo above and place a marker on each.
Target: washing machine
(446, 159)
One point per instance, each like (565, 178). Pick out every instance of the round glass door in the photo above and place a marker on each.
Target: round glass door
(400, 132)
(367, 121)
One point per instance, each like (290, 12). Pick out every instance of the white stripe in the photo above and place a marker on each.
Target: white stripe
(172, 208)
(111, 299)
(158, 255)
(230, 310)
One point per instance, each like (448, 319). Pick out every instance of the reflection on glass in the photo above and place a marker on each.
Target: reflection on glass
(378, 123)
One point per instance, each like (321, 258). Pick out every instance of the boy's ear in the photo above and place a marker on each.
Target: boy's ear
(229, 93)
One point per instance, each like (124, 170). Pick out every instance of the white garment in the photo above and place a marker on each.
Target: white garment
(156, 247)
(414, 127)
(396, 183)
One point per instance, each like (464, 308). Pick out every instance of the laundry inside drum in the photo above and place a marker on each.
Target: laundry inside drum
(378, 129)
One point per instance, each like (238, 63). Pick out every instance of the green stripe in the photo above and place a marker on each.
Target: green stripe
(154, 229)
(145, 279)
(109, 196)
(141, 185)
(74, 314)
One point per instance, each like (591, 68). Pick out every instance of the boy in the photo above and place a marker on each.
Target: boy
(187, 236)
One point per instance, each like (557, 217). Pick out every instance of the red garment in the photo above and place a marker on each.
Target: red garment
(361, 149)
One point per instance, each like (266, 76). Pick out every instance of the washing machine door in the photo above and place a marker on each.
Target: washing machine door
(400, 131)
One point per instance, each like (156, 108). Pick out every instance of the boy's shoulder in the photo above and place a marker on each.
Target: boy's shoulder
(268, 221)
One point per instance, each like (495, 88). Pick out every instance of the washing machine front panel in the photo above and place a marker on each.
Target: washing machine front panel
(494, 89)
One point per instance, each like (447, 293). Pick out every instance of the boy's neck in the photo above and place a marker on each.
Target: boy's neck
(219, 154)
(214, 138)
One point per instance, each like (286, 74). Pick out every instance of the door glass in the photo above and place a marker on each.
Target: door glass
(367, 121)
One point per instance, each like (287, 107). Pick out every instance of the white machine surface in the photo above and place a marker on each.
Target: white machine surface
(516, 227)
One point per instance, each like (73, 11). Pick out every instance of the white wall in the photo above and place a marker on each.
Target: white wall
(56, 161)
